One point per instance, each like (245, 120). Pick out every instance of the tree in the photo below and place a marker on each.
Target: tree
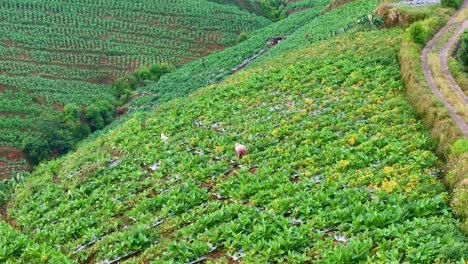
(71, 120)
(36, 148)
(143, 73)
(158, 70)
(99, 114)
(53, 139)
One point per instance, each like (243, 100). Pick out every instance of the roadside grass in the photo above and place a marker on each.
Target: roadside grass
(459, 74)
(436, 117)
(445, 87)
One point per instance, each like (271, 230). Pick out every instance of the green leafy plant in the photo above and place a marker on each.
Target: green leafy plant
(418, 33)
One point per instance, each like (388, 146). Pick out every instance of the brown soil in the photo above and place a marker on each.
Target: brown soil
(335, 4)
(208, 185)
(392, 17)
(4, 213)
(295, 180)
(7, 88)
(125, 220)
(91, 258)
(56, 179)
(109, 80)
(231, 261)
(253, 170)
(6, 219)
(298, 10)
(217, 254)
(231, 171)
(59, 107)
(11, 153)
(9, 114)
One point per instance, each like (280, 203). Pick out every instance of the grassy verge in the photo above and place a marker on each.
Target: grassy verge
(444, 85)
(452, 145)
(458, 74)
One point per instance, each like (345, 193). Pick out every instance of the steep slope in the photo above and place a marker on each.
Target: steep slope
(59, 52)
(338, 171)
(217, 66)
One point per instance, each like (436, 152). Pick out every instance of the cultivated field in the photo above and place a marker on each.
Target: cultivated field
(339, 170)
(58, 52)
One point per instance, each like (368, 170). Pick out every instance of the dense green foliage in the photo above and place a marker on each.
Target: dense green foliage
(217, 66)
(338, 171)
(14, 245)
(417, 33)
(59, 133)
(53, 53)
(451, 3)
(271, 9)
(462, 52)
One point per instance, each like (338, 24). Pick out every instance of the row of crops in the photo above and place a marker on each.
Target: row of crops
(338, 171)
(58, 52)
(13, 242)
(217, 66)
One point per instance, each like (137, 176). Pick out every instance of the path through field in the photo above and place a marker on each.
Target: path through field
(443, 54)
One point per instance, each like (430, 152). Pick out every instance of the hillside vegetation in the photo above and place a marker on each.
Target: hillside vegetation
(339, 167)
(338, 171)
(299, 29)
(58, 52)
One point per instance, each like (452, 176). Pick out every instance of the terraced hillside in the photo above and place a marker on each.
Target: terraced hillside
(300, 28)
(57, 52)
(339, 170)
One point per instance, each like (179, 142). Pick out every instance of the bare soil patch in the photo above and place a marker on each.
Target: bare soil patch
(11, 153)
(298, 10)
(4, 88)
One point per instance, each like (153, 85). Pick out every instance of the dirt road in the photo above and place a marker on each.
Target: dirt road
(443, 55)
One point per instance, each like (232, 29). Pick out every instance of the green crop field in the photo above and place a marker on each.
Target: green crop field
(57, 52)
(339, 170)
(296, 28)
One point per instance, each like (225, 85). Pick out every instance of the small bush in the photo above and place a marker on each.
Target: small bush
(36, 149)
(100, 114)
(143, 73)
(460, 146)
(158, 70)
(462, 52)
(242, 36)
(418, 33)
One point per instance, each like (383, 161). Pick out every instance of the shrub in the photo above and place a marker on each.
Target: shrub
(71, 121)
(242, 36)
(36, 148)
(71, 112)
(143, 73)
(55, 138)
(99, 114)
(158, 70)
(418, 33)
(462, 52)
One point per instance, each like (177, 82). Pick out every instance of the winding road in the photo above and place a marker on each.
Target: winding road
(443, 56)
